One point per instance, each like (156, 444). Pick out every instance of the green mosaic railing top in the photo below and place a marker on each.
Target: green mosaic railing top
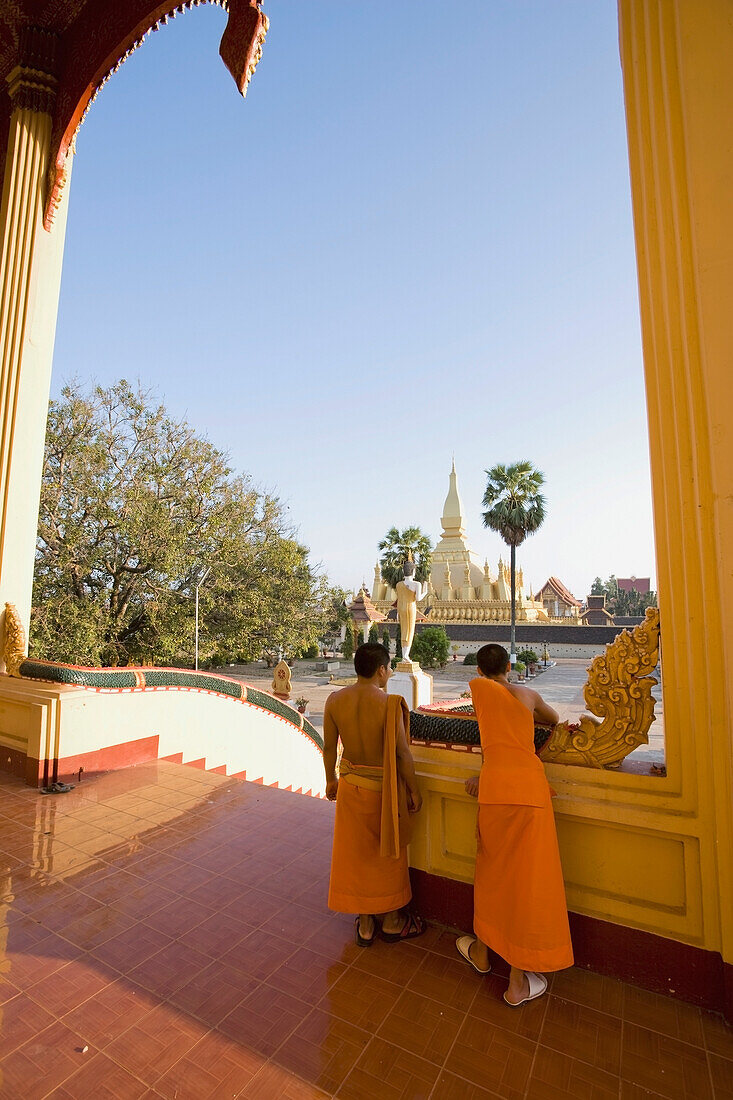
(457, 731)
(141, 678)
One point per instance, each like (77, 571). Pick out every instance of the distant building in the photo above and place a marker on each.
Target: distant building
(558, 601)
(595, 613)
(642, 585)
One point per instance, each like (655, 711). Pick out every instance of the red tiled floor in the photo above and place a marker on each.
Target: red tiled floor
(657, 1062)
(390, 1073)
(323, 1050)
(264, 1020)
(153, 1045)
(175, 924)
(42, 1063)
(557, 1076)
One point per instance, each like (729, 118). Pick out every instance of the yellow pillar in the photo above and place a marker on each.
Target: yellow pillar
(30, 276)
(678, 82)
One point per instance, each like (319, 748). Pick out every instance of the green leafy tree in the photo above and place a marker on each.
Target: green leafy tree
(347, 646)
(430, 647)
(515, 508)
(386, 640)
(373, 633)
(136, 511)
(398, 643)
(360, 638)
(336, 616)
(396, 546)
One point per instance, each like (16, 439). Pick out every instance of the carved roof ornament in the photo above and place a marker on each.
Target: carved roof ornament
(14, 645)
(619, 692)
(99, 40)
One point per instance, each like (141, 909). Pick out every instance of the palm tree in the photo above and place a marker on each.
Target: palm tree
(515, 508)
(396, 546)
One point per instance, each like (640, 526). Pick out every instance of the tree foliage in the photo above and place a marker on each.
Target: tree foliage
(396, 546)
(620, 602)
(430, 647)
(515, 508)
(347, 646)
(135, 508)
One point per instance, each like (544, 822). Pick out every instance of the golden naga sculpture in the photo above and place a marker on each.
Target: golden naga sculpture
(14, 647)
(619, 692)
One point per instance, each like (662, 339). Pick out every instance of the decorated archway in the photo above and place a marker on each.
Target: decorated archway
(678, 85)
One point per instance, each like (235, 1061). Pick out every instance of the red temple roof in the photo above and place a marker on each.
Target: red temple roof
(560, 590)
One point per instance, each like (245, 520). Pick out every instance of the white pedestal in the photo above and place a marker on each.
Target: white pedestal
(414, 685)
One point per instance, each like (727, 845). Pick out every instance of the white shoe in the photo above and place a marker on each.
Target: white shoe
(537, 986)
(463, 947)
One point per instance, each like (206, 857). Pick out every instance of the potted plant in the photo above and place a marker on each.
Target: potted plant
(519, 668)
(301, 703)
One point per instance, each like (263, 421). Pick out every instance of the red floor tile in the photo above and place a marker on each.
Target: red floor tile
(101, 1079)
(661, 1064)
(592, 990)
(393, 962)
(194, 954)
(307, 976)
(422, 1026)
(718, 1035)
(216, 1068)
(390, 1073)
(22, 1018)
(71, 986)
(583, 1034)
(662, 1014)
(557, 1076)
(42, 1063)
(489, 1006)
(213, 993)
(323, 1050)
(493, 1058)
(130, 947)
(363, 1002)
(153, 1045)
(109, 1013)
(275, 1082)
(259, 954)
(446, 979)
(217, 934)
(264, 1020)
(170, 969)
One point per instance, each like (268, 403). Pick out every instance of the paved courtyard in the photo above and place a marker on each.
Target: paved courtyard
(164, 934)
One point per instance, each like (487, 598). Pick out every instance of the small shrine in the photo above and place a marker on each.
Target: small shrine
(363, 612)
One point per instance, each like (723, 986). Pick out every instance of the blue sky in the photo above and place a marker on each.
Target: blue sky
(413, 239)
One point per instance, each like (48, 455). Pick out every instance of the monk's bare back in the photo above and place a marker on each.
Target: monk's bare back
(358, 713)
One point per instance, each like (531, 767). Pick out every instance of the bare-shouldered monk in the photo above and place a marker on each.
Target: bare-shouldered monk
(369, 873)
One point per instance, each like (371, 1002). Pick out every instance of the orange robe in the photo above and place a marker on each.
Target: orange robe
(519, 893)
(369, 872)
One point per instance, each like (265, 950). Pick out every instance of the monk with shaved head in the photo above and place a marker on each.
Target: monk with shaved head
(375, 793)
(519, 894)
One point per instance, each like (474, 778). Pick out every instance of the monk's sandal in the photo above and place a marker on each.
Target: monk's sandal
(537, 986)
(413, 926)
(463, 947)
(361, 941)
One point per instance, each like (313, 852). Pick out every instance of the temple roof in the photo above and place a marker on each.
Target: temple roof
(560, 590)
(362, 610)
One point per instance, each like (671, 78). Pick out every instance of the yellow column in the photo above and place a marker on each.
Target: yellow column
(30, 276)
(678, 82)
